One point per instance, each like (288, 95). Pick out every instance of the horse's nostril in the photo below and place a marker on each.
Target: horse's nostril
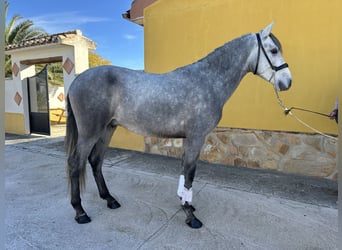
(284, 86)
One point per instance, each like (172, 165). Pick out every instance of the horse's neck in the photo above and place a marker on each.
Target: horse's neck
(227, 65)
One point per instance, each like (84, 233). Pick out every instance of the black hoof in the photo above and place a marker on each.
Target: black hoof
(82, 219)
(113, 204)
(193, 222)
(191, 219)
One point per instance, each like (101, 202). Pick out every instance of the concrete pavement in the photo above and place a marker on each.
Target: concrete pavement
(240, 208)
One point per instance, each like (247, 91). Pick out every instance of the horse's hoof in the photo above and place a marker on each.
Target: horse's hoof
(82, 219)
(194, 222)
(191, 219)
(113, 204)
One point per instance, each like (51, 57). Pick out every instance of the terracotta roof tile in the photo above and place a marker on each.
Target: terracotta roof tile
(42, 40)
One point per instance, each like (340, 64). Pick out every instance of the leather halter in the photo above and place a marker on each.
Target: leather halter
(275, 68)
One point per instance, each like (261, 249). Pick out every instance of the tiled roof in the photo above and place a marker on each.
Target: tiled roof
(42, 40)
(136, 13)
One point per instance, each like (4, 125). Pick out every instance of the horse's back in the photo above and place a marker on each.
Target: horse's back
(98, 78)
(98, 86)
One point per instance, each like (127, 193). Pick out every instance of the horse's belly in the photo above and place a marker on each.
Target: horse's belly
(153, 119)
(162, 129)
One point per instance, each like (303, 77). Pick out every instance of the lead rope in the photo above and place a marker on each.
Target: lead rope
(288, 111)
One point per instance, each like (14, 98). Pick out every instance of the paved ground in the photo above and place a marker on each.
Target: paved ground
(240, 208)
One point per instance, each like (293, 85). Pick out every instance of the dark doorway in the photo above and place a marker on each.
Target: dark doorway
(39, 102)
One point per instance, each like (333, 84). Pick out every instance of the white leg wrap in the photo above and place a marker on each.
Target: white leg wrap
(180, 186)
(187, 196)
(184, 193)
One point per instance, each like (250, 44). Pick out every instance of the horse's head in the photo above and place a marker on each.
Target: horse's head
(270, 64)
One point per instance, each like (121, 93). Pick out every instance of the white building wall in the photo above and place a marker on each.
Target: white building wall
(74, 55)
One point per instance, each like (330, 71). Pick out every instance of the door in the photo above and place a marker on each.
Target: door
(39, 102)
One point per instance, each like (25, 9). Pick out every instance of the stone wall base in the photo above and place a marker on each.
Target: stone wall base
(296, 153)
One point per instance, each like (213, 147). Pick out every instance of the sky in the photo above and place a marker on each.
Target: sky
(118, 40)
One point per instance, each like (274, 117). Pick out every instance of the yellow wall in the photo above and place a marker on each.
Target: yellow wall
(180, 32)
(125, 139)
(14, 123)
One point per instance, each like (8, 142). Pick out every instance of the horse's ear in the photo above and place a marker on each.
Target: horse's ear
(266, 32)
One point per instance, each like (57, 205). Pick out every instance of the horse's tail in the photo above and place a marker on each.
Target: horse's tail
(71, 148)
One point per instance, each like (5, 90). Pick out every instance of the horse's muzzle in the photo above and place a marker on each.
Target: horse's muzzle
(284, 85)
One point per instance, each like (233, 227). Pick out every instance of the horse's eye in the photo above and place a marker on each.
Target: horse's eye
(274, 51)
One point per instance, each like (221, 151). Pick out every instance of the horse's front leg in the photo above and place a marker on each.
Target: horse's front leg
(192, 149)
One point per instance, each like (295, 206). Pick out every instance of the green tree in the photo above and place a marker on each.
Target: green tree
(55, 73)
(97, 60)
(17, 31)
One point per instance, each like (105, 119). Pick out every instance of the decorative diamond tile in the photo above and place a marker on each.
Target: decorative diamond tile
(17, 98)
(60, 97)
(68, 65)
(15, 69)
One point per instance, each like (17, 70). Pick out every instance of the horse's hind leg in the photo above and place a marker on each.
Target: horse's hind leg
(96, 160)
(77, 164)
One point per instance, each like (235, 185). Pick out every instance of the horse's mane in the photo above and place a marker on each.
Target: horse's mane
(230, 45)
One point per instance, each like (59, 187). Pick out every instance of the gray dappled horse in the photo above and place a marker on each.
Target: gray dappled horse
(184, 103)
